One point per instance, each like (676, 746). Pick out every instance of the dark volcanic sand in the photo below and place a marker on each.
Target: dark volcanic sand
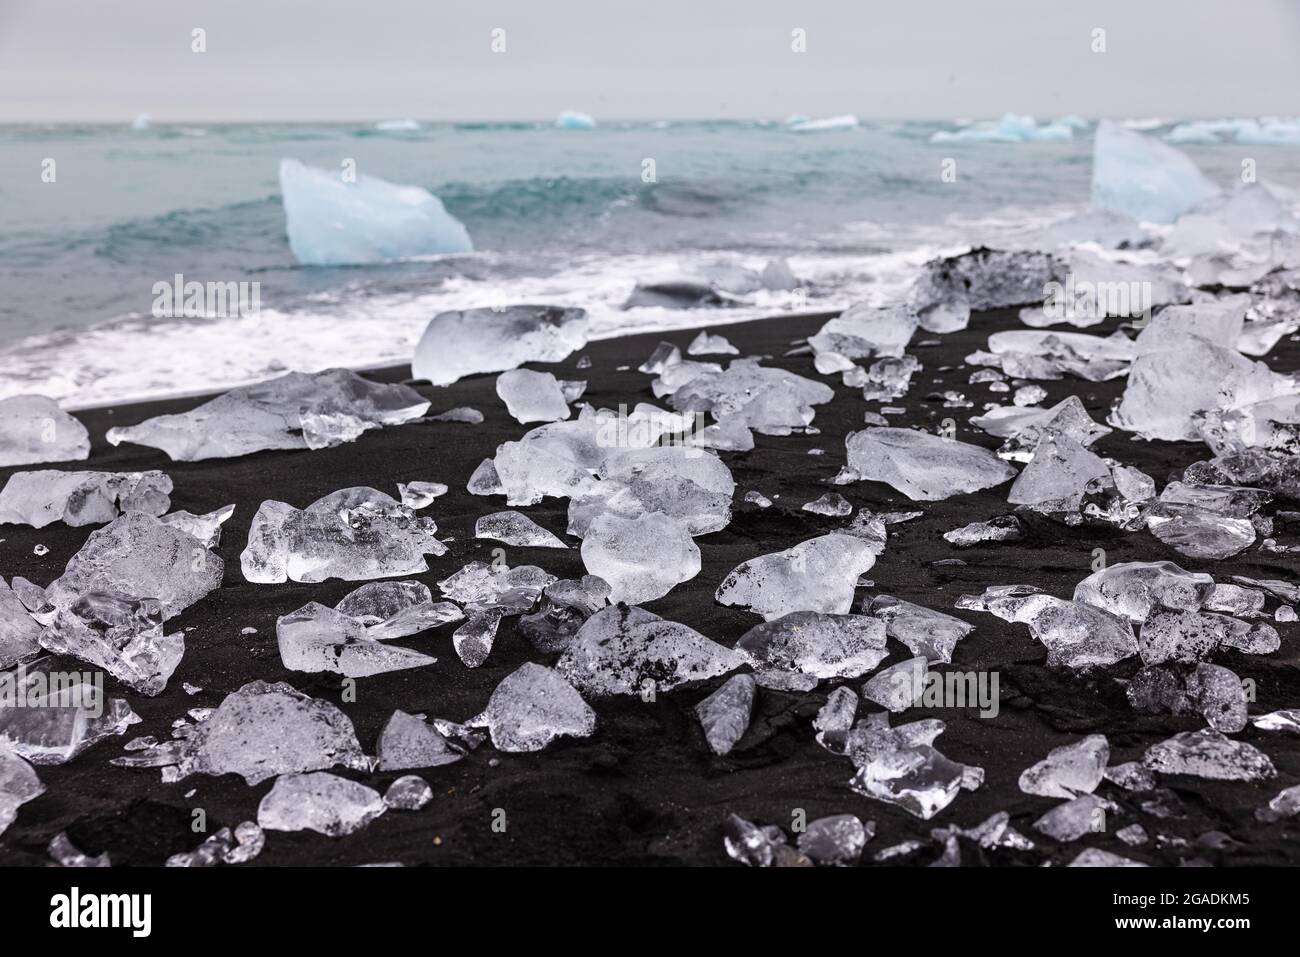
(645, 789)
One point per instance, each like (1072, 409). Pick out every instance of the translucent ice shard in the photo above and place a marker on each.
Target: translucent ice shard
(706, 344)
(481, 585)
(316, 638)
(353, 534)
(1209, 754)
(1070, 821)
(863, 331)
(769, 401)
(838, 839)
(1069, 770)
(532, 396)
(321, 802)
(1003, 528)
(1061, 473)
(66, 854)
(621, 649)
(51, 717)
(1096, 857)
(1220, 696)
(725, 714)
(18, 785)
(917, 778)
(419, 495)
(409, 742)
(124, 636)
(472, 341)
(835, 719)
(294, 411)
(81, 498)
(1288, 721)
(1076, 635)
(923, 467)
(799, 649)
(532, 707)
(1188, 636)
(1143, 177)
(750, 844)
(832, 503)
(408, 793)
(1135, 589)
(34, 429)
(927, 632)
(206, 528)
(263, 730)
(899, 686)
(1044, 354)
(1284, 805)
(19, 632)
(566, 604)
(336, 222)
(641, 558)
(1023, 428)
(515, 528)
(948, 289)
(819, 575)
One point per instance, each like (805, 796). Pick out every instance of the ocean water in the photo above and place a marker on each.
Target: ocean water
(557, 216)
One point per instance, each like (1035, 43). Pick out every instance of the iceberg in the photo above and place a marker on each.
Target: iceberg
(823, 124)
(1143, 177)
(34, 429)
(472, 341)
(1011, 128)
(332, 222)
(573, 120)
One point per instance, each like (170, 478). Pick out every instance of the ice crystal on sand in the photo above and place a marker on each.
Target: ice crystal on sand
(707, 344)
(419, 495)
(799, 649)
(1135, 589)
(566, 604)
(515, 528)
(124, 636)
(900, 766)
(1025, 428)
(620, 649)
(838, 839)
(353, 534)
(770, 401)
(532, 396)
(1076, 635)
(1209, 754)
(18, 785)
(532, 707)
(819, 575)
(51, 720)
(81, 498)
(206, 528)
(34, 429)
(899, 686)
(863, 331)
(316, 638)
(19, 632)
(923, 467)
(472, 341)
(725, 714)
(948, 289)
(295, 411)
(1075, 818)
(321, 802)
(409, 793)
(926, 632)
(409, 742)
(1004, 528)
(1069, 770)
(642, 558)
(832, 503)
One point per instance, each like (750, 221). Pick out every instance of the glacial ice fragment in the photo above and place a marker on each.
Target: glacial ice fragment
(1096, 857)
(408, 793)
(769, 401)
(515, 528)
(916, 778)
(819, 575)
(19, 632)
(831, 503)
(319, 639)
(838, 839)
(923, 467)
(1143, 177)
(34, 429)
(81, 498)
(799, 649)
(1288, 721)
(532, 396)
(124, 636)
(899, 686)
(472, 341)
(532, 707)
(1134, 589)
(294, 411)
(642, 558)
(1076, 635)
(206, 528)
(418, 495)
(705, 344)
(51, 720)
(410, 742)
(725, 714)
(335, 222)
(1069, 770)
(835, 719)
(18, 785)
(863, 331)
(321, 802)
(926, 632)
(1003, 528)
(1070, 821)
(1284, 805)
(1209, 754)
(1220, 696)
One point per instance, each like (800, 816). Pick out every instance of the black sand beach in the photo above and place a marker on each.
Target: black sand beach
(645, 789)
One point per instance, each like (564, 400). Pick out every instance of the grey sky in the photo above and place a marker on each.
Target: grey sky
(68, 60)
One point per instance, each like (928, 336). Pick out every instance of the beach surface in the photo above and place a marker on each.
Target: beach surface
(645, 789)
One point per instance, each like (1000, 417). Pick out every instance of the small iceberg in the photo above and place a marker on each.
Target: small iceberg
(1012, 128)
(142, 122)
(573, 120)
(331, 222)
(802, 124)
(398, 126)
(1143, 177)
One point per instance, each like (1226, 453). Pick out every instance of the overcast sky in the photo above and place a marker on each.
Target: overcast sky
(69, 60)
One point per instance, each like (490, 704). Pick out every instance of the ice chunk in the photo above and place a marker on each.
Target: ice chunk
(532, 707)
(899, 686)
(206, 528)
(34, 429)
(1096, 857)
(573, 120)
(333, 221)
(769, 401)
(1058, 477)
(818, 575)
(408, 793)
(838, 839)
(316, 638)
(19, 632)
(409, 742)
(18, 785)
(705, 344)
(532, 396)
(621, 650)
(835, 719)
(923, 467)
(294, 411)
(1003, 528)
(1132, 776)
(66, 854)
(122, 635)
(832, 503)
(725, 714)
(1070, 821)
(926, 632)
(481, 585)
(642, 558)
(823, 124)
(566, 605)
(1209, 754)
(1288, 721)
(1024, 428)
(751, 845)
(353, 534)
(472, 341)
(1069, 770)
(799, 649)
(418, 495)
(321, 802)
(1143, 177)
(1076, 635)
(948, 289)
(1220, 697)
(863, 331)
(1187, 636)
(914, 777)
(1043, 354)
(81, 498)
(1134, 589)
(50, 719)
(515, 528)
(1011, 128)
(1286, 804)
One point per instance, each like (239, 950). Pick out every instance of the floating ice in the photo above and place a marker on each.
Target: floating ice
(294, 411)
(1220, 696)
(1144, 178)
(321, 802)
(1012, 128)
(725, 714)
(51, 719)
(18, 785)
(532, 396)
(642, 558)
(316, 638)
(621, 649)
(1209, 754)
(472, 341)
(34, 429)
(409, 742)
(515, 528)
(81, 498)
(823, 124)
(532, 707)
(818, 575)
(923, 467)
(926, 632)
(353, 534)
(1069, 770)
(333, 221)
(838, 839)
(799, 649)
(573, 120)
